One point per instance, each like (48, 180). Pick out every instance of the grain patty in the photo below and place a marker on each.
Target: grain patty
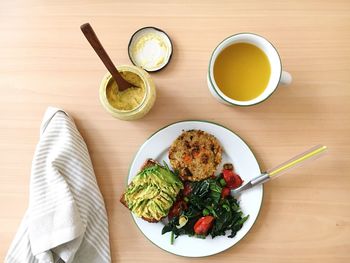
(195, 155)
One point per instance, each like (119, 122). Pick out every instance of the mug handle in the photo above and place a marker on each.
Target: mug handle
(286, 78)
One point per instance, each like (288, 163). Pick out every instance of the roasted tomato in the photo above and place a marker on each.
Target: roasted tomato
(232, 179)
(179, 206)
(202, 226)
(187, 189)
(225, 192)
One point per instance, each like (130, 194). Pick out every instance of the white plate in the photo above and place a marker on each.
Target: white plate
(235, 151)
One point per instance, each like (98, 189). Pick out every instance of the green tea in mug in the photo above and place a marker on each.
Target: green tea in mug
(242, 71)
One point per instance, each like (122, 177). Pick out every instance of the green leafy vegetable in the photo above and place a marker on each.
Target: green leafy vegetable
(205, 199)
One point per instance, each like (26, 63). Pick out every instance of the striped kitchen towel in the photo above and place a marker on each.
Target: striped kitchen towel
(66, 220)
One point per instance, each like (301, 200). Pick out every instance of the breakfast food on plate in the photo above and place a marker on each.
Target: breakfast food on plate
(152, 191)
(200, 204)
(195, 155)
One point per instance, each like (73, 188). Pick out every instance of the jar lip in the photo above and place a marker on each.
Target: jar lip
(140, 74)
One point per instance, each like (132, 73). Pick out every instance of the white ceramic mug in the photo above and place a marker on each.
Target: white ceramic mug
(277, 76)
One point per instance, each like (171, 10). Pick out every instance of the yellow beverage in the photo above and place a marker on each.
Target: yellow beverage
(242, 71)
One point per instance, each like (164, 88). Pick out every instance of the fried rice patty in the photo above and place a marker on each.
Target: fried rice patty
(195, 154)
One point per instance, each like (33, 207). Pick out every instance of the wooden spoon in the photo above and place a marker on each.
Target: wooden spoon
(101, 52)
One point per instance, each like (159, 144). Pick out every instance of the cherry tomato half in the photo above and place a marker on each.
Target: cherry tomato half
(232, 179)
(187, 189)
(177, 208)
(225, 192)
(202, 226)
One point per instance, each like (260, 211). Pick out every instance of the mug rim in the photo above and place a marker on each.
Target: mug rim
(215, 86)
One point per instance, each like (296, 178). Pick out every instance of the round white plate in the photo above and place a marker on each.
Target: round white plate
(235, 151)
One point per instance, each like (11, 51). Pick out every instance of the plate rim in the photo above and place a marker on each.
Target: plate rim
(203, 121)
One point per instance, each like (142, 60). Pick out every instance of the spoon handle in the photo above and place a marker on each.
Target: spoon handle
(296, 161)
(101, 52)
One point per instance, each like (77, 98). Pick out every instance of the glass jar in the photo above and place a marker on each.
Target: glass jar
(139, 111)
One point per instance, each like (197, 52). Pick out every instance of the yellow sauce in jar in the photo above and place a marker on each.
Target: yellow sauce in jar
(130, 98)
(130, 104)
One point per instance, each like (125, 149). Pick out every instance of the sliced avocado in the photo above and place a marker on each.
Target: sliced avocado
(139, 207)
(163, 202)
(159, 207)
(152, 192)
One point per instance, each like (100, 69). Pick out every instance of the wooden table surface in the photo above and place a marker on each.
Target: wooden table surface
(45, 60)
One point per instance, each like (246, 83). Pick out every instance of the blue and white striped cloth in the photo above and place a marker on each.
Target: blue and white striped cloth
(66, 220)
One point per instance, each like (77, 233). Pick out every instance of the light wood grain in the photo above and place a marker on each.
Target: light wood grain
(45, 60)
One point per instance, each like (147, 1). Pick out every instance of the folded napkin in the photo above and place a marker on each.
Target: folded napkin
(66, 220)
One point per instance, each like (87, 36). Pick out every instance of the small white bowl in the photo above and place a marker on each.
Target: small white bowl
(150, 48)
